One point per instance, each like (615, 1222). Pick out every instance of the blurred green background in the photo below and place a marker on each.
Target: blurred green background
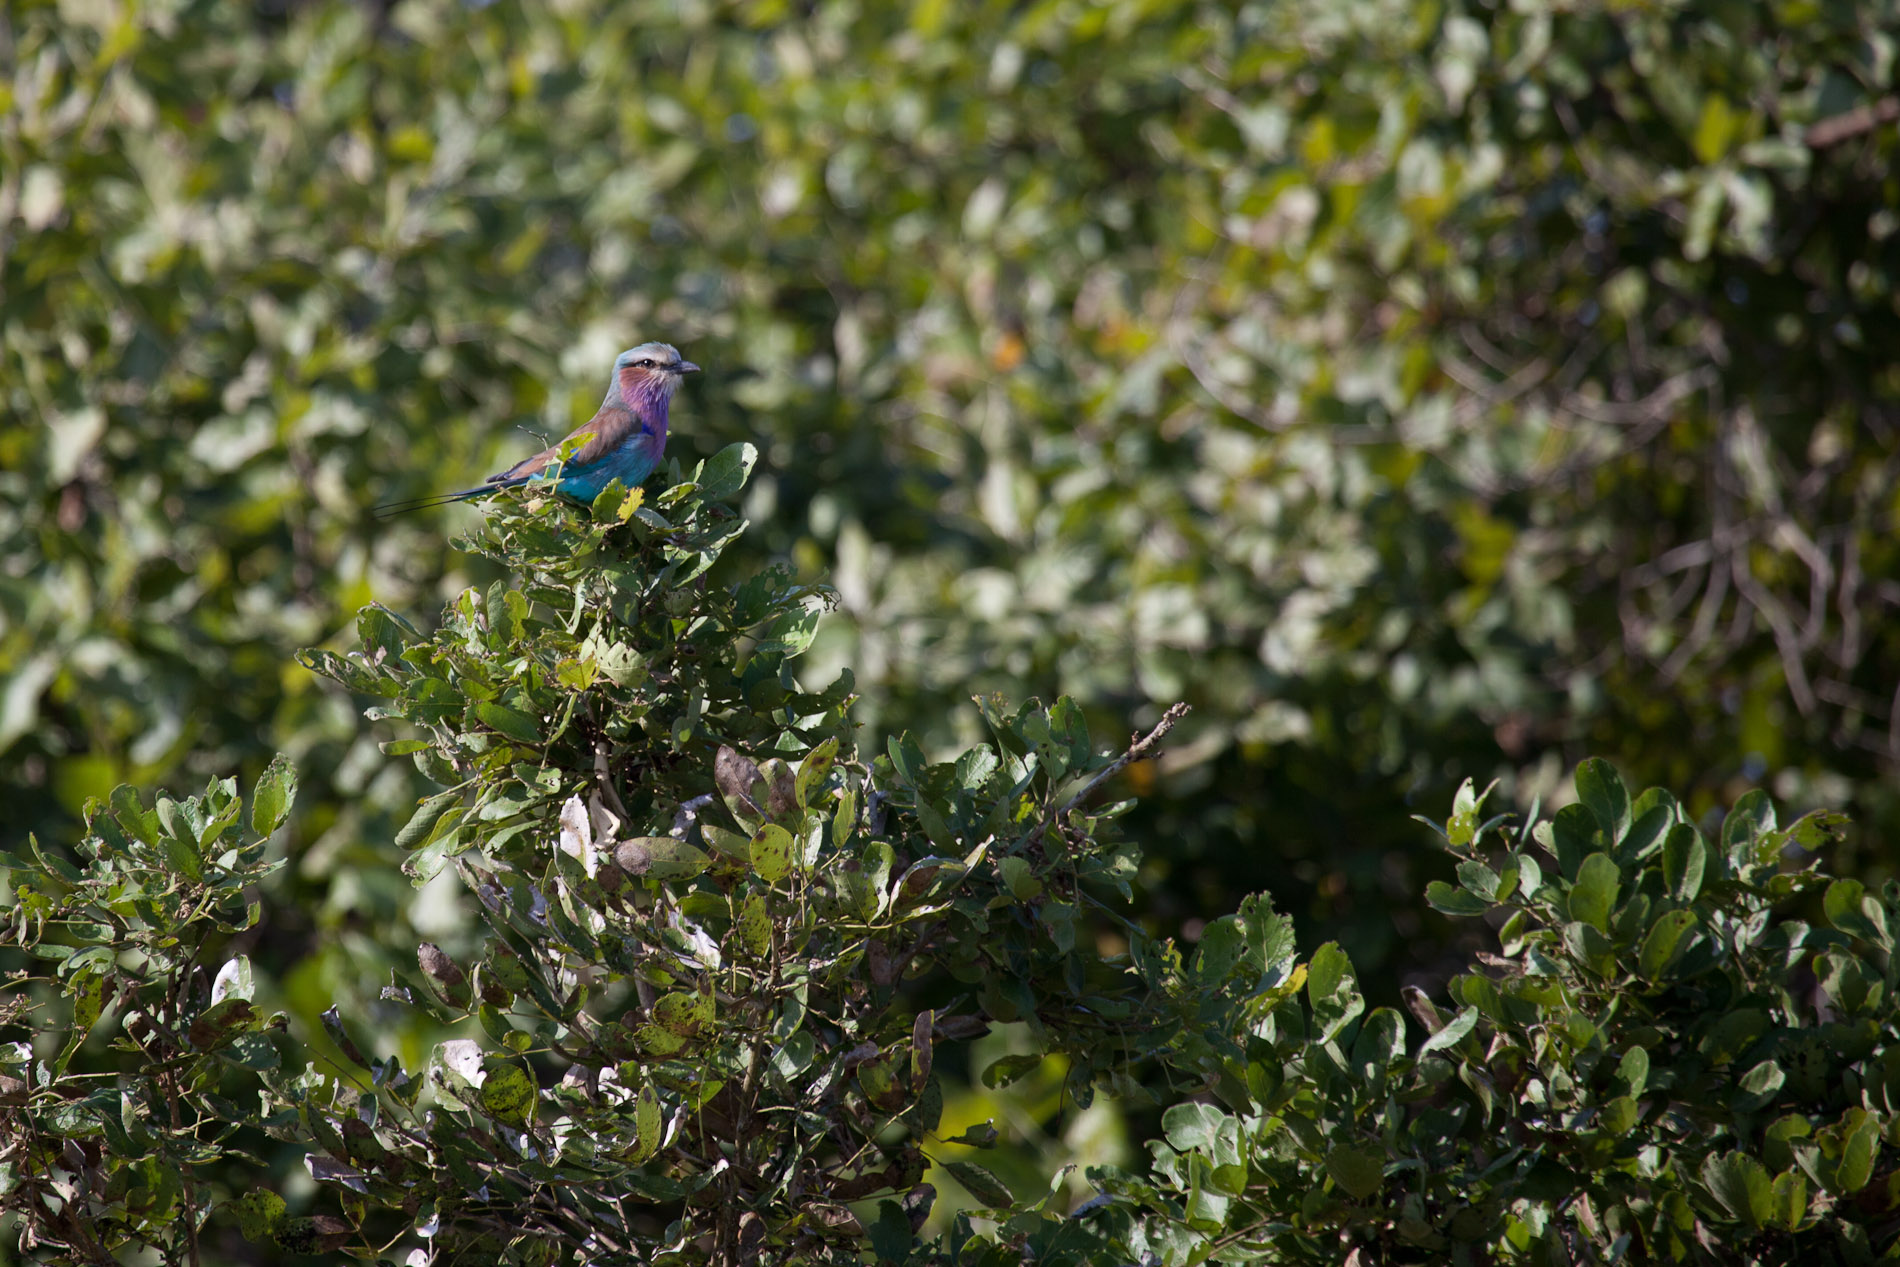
(1419, 390)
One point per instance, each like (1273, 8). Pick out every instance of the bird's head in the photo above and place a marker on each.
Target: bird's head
(650, 373)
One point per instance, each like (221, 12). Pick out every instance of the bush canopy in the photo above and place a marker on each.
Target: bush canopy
(722, 957)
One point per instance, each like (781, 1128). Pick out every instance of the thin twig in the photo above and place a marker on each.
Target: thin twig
(1136, 751)
(1842, 127)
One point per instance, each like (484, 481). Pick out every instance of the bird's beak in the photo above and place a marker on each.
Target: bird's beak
(686, 367)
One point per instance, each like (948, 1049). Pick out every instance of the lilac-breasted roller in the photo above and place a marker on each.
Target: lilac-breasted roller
(623, 441)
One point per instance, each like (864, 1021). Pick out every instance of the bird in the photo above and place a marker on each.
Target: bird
(623, 441)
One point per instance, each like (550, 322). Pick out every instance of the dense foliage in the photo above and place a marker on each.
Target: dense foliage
(1416, 390)
(122, 929)
(1651, 1065)
(721, 959)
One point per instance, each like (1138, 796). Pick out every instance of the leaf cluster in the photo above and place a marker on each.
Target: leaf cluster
(1410, 389)
(721, 962)
(117, 937)
(720, 950)
(1656, 1061)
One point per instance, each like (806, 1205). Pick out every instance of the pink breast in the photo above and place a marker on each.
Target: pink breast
(632, 384)
(646, 393)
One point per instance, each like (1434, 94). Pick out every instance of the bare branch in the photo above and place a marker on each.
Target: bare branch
(1654, 407)
(1786, 640)
(1852, 123)
(1137, 749)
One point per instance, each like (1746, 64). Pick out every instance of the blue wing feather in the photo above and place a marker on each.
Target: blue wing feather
(618, 445)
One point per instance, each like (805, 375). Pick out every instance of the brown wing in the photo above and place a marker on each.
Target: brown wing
(604, 431)
(611, 427)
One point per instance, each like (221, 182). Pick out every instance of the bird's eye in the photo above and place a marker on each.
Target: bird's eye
(645, 362)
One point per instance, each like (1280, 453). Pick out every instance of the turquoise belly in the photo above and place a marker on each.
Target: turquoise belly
(630, 464)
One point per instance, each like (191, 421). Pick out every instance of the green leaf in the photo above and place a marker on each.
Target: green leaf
(771, 853)
(1331, 991)
(1590, 947)
(1684, 857)
(1817, 829)
(1779, 1139)
(417, 830)
(1717, 126)
(426, 863)
(276, 792)
(621, 663)
(1452, 1033)
(1270, 936)
(1481, 1086)
(879, 1081)
(1060, 918)
(1380, 1042)
(1207, 1205)
(403, 747)
(728, 844)
(1790, 1200)
(727, 471)
(1070, 727)
(1461, 828)
(1664, 943)
(1530, 876)
(1593, 896)
(874, 870)
(661, 857)
(1361, 1172)
(906, 758)
(1646, 834)
(510, 722)
(132, 817)
(181, 844)
(754, 927)
(936, 827)
(975, 767)
(1850, 909)
(686, 1014)
(1008, 1069)
(1848, 980)
(988, 1190)
(1860, 1145)
(1479, 879)
(259, 1212)
(1327, 970)
(890, 1233)
(844, 819)
(379, 633)
(508, 1093)
(1601, 789)
(983, 1135)
(1453, 901)
(648, 1124)
(790, 634)
(1752, 818)
(610, 504)
(795, 1055)
(1759, 1086)
(1632, 1071)
(1193, 1127)
(1742, 1186)
(814, 770)
(1575, 834)
(88, 993)
(1019, 878)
